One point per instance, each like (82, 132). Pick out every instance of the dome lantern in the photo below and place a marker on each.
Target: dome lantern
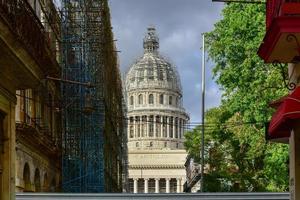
(151, 41)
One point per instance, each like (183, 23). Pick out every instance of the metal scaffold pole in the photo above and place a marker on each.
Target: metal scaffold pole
(93, 124)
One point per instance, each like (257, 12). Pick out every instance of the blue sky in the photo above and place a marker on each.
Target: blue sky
(179, 24)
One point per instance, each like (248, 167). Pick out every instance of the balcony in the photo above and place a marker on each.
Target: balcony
(26, 29)
(281, 42)
(35, 133)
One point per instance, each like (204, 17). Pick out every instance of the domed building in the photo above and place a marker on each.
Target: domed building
(156, 121)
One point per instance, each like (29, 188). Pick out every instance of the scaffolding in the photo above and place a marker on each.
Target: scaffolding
(93, 126)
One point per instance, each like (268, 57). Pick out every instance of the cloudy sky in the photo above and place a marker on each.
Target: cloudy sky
(179, 24)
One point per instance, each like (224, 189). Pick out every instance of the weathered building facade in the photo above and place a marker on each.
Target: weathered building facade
(156, 120)
(41, 69)
(29, 32)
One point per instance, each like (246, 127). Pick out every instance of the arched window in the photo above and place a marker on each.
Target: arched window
(150, 74)
(26, 178)
(140, 99)
(137, 144)
(151, 99)
(131, 100)
(161, 99)
(170, 100)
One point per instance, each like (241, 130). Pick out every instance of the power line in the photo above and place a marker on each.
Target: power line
(241, 1)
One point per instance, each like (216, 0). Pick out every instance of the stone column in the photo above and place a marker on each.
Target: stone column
(135, 185)
(147, 126)
(161, 126)
(182, 183)
(168, 126)
(146, 185)
(184, 128)
(180, 128)
(141, 124)
(174, 120)
(157, 185)
(143, 127)
(167, 185)
(178, 185)
(8, 151)
(128, 128)
(154, 126)
(134, 127)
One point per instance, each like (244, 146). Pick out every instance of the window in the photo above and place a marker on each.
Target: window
(171, 127)
(140, 99)
(140, 76)
(150, 74)
(139, 130)
(131, 100)
(160, 74)
(165, 144)
(161, 99)
(165, 126)
(131, 131)
(151, 126)
(137, 144)
(170, 100)
(151, 144)
(151, 99)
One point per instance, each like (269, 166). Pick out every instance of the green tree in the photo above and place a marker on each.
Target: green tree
(249, 85)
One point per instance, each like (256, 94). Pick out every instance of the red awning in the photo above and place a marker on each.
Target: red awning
(284, 118)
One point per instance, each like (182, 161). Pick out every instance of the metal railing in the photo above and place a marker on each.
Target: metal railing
(183, 196)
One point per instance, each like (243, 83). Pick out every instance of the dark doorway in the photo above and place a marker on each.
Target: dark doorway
(37, 180)
(26, 178)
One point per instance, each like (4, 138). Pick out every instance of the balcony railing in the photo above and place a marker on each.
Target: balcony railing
(23, 22)
(33, 130)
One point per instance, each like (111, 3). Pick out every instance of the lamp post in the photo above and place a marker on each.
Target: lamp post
(203, 111)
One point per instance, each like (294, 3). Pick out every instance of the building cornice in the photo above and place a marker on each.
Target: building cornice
(10, 96)
(160, 166)
(157, 111)
(156, 151)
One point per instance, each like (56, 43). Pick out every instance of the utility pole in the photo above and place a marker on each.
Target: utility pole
(203, 111)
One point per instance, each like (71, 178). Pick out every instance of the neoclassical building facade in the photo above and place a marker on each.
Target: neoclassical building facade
(156, 121)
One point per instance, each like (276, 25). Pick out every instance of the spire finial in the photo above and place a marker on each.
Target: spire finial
(151, 41)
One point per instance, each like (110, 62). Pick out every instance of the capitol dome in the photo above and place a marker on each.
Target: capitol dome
(152, 70)
(156, 123)
(154, 100)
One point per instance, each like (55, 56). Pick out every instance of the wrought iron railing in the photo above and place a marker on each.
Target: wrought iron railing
(23, 22)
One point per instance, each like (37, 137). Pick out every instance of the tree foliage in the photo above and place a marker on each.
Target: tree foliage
(237, 156)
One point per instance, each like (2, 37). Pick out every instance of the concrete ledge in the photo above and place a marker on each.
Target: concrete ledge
(202, 196)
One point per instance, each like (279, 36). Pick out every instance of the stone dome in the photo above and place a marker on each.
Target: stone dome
(152, 70)
(156, 117)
